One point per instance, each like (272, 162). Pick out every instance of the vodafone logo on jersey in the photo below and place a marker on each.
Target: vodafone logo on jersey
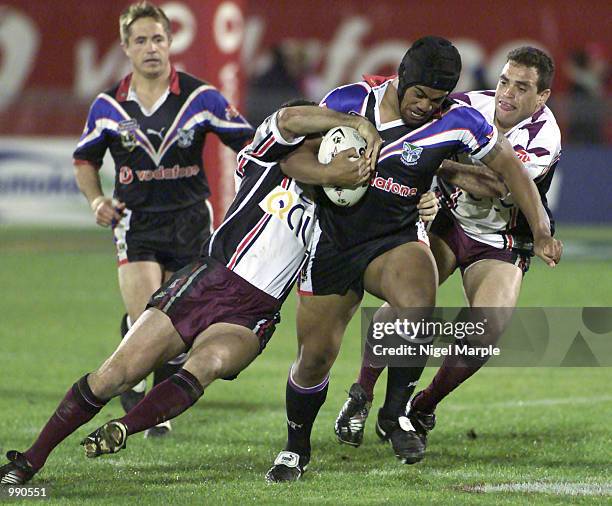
(388, 185)
(126, 174)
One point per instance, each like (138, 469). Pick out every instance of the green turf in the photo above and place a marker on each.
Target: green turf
(60, 313)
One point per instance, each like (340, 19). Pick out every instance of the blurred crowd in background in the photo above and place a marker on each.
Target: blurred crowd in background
(289, 70)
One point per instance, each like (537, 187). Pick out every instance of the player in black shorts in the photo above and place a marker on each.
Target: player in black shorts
(481, 233)
(378, 245)
(154, 123)
(222, 307)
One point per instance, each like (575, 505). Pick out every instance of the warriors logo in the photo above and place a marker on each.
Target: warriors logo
(185, 137)
(411, 153)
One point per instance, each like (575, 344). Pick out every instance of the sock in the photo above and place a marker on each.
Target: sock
(401, 383)
(78, 407)
(451, 374)
(165, 401)
(371, 366)
(368, 376)
(171, 367)
(302, 406)
(125, 325)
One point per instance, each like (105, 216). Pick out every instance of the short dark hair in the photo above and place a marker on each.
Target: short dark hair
(139, 10)
(539, 60)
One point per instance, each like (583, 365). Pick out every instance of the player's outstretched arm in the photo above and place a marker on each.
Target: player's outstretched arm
(345, 169)
(502, 160)
(479, 181)
(88, 180)
(305, 120)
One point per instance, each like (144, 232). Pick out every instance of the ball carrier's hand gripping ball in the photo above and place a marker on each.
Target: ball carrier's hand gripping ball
(337, 140)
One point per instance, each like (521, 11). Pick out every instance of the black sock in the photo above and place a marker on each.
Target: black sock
(401, 382)
(302, 406)
(163, 372)
(124, 327)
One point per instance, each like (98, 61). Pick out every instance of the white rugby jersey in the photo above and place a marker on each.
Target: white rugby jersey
(537, 143)
(267, 230)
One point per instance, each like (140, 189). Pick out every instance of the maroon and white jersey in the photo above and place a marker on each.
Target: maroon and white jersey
(537, 143)
(268, 228)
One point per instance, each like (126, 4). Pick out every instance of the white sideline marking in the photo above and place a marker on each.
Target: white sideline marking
(532, 402)
(557, 488)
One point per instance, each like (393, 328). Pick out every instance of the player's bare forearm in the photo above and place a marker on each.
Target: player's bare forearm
(106, 212)
(305, 120)
(88, 180)
(303, 165)
(477, 180)
(503, 160)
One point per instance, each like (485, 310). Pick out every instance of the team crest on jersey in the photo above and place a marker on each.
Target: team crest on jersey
(127, 132)
(411, 153)
(185, 137)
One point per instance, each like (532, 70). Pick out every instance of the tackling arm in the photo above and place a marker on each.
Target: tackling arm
(305, 120)
(303, 165)
(502, 160)
(476, 180)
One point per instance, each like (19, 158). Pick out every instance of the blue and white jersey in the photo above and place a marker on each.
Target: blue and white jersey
(158, 152)
(267, 230)
(537, 143)
(406, 165)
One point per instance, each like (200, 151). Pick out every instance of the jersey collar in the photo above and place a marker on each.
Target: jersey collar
(124, 86)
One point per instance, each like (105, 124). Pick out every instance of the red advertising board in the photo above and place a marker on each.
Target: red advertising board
(56, 56)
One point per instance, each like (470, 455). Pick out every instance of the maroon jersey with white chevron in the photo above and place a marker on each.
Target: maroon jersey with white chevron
(537, 143)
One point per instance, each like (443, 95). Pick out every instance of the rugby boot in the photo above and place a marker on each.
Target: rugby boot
(350, 424)
(409, 439)
(110, 438)
(18, 471)
(288, 466)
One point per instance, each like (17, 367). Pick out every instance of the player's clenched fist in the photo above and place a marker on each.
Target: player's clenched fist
(106, 212)
(548, 249)
(428, 206)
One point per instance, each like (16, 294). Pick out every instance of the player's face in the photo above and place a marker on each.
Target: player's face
(516, 96)
(420, 103)
(148, 48)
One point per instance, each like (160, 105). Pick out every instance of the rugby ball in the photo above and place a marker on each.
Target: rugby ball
(336, 140)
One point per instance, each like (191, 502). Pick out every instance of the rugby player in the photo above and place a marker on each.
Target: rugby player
(154, 123)
(378, 245)
(486, 238)
(224, 306)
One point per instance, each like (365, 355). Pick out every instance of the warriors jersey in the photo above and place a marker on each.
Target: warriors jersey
(406, 164)
(158, 153)
(267, 230)
(499, 222)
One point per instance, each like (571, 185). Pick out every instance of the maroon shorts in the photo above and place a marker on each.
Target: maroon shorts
(468, 251)
(206, 292)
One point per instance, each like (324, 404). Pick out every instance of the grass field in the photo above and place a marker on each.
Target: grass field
(508, 436)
